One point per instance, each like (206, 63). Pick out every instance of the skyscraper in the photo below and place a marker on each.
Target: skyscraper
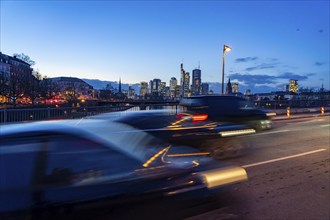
(293, 85)
(205, 88)
(196, 82)
(186, 84)
(155, 87)
(143, 88)
(119, 89)
(173, 84)
(162, 88)
(182, 79)
(178, 90)
(234, 87)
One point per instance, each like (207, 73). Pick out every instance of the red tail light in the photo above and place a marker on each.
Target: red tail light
(179, 116)
(200, 117)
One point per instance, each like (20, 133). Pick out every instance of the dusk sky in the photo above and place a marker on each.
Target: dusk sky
(272, 41)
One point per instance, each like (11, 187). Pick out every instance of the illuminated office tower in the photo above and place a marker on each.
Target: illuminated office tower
(177, 91)
(131, 92)
(155, 87)
(205, 88)
(293, 85)
(143, 88)
(234, 87)
(196, 82)
(186, 84)
(182, 79)
(162, 89)
(173, 84)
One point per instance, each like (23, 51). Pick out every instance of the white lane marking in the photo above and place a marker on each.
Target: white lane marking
(283, 158)
(306, 122)
(78, 122)
(323, 126)
(271, 132)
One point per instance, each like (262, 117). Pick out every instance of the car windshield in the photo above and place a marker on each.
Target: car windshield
(125, 138)
(246, 105)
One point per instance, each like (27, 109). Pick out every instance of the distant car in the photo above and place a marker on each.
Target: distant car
(230, 109)
(185, 128)
(48, 167)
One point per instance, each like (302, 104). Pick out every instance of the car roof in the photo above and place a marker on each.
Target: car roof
(206, 99)
(117, 135)
(116, 115)
(213, 97)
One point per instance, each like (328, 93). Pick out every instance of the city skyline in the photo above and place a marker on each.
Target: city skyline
(138, 41)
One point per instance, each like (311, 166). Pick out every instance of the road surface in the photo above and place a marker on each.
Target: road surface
(288, 169)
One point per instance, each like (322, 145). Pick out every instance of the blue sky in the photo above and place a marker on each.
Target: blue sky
(272, 41)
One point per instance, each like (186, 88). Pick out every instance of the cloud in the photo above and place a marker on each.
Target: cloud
(266, 82)
(261, 67)
(271, 85)
(319, 63)
(289, 75)
(253, 79)
(246, 59)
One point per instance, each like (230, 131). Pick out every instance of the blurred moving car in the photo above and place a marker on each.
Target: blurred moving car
(229, 108)
(59, 168)
(185, 128)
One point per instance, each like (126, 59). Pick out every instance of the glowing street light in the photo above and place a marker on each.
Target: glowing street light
(225, 49)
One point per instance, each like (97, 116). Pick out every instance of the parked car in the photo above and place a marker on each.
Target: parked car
(61, 168)
(187, 128)
(230, 109)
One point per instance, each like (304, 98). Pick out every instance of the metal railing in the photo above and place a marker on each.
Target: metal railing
(37, 114)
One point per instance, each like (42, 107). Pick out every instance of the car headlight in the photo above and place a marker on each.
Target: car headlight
(223, 176)
(270, 114)
(265, 122)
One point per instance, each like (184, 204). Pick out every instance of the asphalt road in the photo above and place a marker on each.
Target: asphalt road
(288, 169)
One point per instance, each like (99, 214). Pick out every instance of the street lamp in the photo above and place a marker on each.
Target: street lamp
(225, 49)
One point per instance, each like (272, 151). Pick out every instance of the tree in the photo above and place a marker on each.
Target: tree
(33, 86)
(24, 58)
(15, 88)
(306, 96)
(4, 84)
(48, 88)
(72, 92)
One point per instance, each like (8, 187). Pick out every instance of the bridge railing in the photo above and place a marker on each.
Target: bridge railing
(37, 114)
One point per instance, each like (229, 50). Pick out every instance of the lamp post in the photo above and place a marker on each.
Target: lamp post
(225, 49)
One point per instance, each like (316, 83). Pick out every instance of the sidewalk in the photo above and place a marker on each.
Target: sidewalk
(299, 115)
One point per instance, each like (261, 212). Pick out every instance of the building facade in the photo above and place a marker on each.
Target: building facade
(186, 84)
(155, 87)
(293, 86)
(16, 76)
(234, 87)
(71, 88)
(173, 84)
(205, 88)
(143, 89)
(196, 82)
